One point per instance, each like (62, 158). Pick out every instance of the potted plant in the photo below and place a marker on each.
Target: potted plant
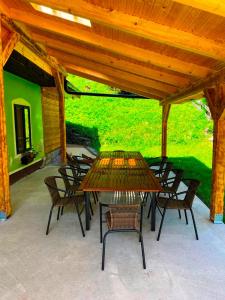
(28, 156)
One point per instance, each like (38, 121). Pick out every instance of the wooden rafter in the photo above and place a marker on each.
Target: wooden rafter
(196, 88)
(114, 82)
(75, 32)
(123, 75)
(10, 45)
(140, 27)
(216, 7)
(110, 60)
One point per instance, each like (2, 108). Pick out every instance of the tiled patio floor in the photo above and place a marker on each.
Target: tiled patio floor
(64, 265)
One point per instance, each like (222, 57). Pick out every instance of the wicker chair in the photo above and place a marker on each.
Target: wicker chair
(80, 165)
(158, 165)
(173, 201)
(124, 218)
(72, 183)
(170, 185)
(60, 201)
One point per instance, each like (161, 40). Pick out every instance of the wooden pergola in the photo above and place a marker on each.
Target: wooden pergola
(169, 50)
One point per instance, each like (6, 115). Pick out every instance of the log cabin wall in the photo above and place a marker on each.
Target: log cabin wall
(51, 123)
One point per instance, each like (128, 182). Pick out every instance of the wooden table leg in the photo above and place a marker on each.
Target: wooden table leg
(87, 209)
(153, 211)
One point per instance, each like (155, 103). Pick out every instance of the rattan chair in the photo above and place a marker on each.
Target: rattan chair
(158, 164)
(62, 197)
(81, 166)
(72, 183)
(124, 218)
(168, 200)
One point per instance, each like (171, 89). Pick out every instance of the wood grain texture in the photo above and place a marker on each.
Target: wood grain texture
(165, 115)
(120, 171)
(5, 204)
(51, 122)
(216, 101)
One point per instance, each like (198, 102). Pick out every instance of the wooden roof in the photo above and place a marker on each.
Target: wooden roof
(164, 49)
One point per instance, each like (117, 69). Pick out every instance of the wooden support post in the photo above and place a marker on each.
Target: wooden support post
(59, 80)
(216, 101)
(165, 115)
(5, 206)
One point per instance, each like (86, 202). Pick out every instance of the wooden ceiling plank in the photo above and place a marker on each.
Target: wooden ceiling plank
(139, 27)
(70, 30)
(4, 8)
(148, 72)
(114, 82)
(111, 71)
(216, 7)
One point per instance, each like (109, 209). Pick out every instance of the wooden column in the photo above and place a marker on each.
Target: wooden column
(165, 115)
(5, 206)
(216, 101)
(59, 80)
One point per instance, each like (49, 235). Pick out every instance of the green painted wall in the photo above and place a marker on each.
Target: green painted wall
(21, 91)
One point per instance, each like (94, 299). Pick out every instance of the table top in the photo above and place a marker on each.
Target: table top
(120, 171)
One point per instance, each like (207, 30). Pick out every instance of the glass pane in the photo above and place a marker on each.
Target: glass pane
(19, 129)
(27, 127)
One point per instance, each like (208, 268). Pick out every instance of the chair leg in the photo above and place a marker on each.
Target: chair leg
(94, 197)
(81, 225)
(91, 209)
(179, 213)
(193, 219)
(149, 210)
(186, 218)
(142, 250)
(62, 210)
(103, 250)
(49, 219)
(141, 218)
(100, 219)
(58, 213)
(161, 223)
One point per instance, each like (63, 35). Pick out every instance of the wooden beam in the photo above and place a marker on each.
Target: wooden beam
(216, 101)
(59, 81)
(4, 8)
(165, 116)
(216, 7)
(5, 205)
(8, 49)
(24, 50)
(149, 30)
(156, 85)
(196, 88)
(143, 88)
(75, 32)
(119, 63)
(113, 82)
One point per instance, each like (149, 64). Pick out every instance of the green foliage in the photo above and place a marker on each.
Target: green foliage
(135, 124)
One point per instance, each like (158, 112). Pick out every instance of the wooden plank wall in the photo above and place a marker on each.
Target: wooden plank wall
(51, 123)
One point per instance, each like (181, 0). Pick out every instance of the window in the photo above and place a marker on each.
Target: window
(22, 128)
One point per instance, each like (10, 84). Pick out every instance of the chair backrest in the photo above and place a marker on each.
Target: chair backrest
(123, 216)
(178, 177)
(191, 191)
(52, 188)
(166, 171)
(64, 171)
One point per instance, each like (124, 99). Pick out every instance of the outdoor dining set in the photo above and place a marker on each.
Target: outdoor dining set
(133, 185)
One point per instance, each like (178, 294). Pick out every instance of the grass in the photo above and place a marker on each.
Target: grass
(135, 124)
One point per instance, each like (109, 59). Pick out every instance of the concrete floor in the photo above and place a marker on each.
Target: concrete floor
(64, 265)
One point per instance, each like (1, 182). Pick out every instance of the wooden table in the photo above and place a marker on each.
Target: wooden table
(119, 171)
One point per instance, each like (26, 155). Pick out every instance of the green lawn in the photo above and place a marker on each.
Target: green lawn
(135, 124)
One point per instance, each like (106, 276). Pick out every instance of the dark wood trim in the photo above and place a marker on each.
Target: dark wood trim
(24, 172)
